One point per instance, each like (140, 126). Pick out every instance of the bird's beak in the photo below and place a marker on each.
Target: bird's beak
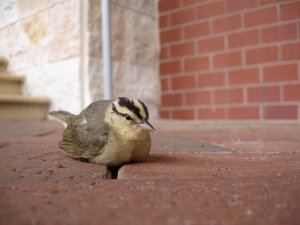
(146, 126)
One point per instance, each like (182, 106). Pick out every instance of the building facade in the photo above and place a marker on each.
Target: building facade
(56, 44)
(230, 59)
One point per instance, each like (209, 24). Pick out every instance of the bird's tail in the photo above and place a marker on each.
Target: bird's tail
(63, 116)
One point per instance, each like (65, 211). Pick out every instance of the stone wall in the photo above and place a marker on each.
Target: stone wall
(41, 39)
(57, 45)
(134, 51)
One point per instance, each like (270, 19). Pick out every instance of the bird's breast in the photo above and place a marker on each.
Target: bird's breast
(121, 149)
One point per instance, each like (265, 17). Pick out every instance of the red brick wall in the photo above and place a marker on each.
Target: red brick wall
(230, 59)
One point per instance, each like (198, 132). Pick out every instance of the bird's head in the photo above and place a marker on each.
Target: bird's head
(130, 114)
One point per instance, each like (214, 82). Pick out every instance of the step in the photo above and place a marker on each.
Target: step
(14, 107)
(3, 64)
(11, 85)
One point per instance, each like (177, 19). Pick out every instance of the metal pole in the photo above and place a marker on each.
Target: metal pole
(106, 50)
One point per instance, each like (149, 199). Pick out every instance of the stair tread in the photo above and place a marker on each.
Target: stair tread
(3, 64)
(24, 99)
(7, 77)
(2, 59)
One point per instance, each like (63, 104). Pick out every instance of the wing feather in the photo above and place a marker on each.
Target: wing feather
(86, 135)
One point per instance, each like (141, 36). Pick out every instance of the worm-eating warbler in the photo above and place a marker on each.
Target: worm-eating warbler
(107, 132)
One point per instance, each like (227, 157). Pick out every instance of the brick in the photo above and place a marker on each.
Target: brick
(170, 35)
(261, 16)
(211, 44)
(280, 73)
(263, 94)
(196, 30)
(291, 51)
(291, 92)
(192, 2)
(227, 60)
(163, 21)
(265, 2)
(229, 96)
(164, 53)
(226, 23)
(171, 99)
(198, 98)
(262, 55)
(279, 33)
(204, 97)
(244, 38)
(281, 112)
(290, 11)
(167, 5)
(211, 79)
(191, 98)
(184, 114)
(244, 76)
(191, 174)
(196, 64)
(241, 113)
(182, 16)
(182, 49)
(237, 5)
(183, 82)
(170, 67)
(165, 114)
(210, 9)
(211, 113)
(164, 83)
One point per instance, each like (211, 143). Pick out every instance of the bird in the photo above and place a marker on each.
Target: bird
(107, 132)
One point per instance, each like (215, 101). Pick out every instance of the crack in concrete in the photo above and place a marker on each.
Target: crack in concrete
(112, 172)
(44, 133)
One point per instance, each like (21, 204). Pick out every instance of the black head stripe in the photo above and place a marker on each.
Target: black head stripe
(129, 104)
(145, 109)
(115, 110)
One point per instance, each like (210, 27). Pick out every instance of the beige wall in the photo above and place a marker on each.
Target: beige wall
(41, 39)
(57, 45)
(134, 50)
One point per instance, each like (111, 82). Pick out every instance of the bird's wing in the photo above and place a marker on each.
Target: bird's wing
(95, 112)
(85, 136)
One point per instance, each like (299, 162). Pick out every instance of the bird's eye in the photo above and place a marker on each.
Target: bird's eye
(127, 117)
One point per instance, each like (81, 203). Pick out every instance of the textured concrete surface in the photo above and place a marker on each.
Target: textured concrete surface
(200, 174)
(210, 166)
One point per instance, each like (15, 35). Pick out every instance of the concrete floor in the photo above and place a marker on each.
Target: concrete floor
(197, 173)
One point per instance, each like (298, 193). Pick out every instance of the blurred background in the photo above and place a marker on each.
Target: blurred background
(186, 59)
